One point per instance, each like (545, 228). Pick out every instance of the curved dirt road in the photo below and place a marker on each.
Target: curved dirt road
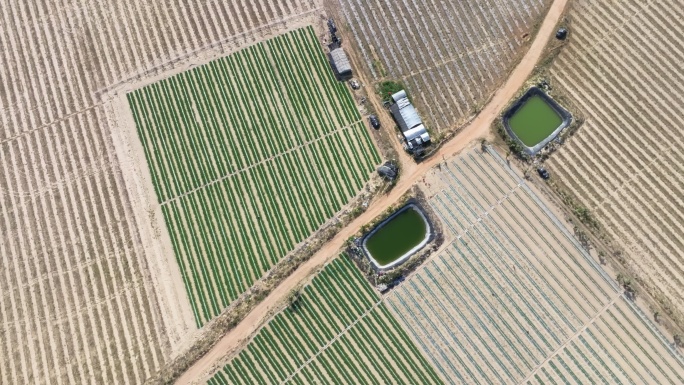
(478, 128)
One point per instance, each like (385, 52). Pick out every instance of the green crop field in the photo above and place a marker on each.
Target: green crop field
(337, 332)
(249, 155)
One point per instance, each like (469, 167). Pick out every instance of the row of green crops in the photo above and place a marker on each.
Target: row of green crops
(337, 332)
(249, 155)
(514, 287)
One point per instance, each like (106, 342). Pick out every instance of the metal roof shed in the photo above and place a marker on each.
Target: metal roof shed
(340, 63)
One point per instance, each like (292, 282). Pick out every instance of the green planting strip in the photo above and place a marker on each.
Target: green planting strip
(237, 121)
(222, 127)
(345, 364)
(388, 345)
(370, 151)
(207, 112)
(292, 346)
(335, 323)
(335, 171)
(273, 128)
(431, 340)
(321, 96)
(256, 95)
(323, 172)
(277, 352)
(290, 131)
(305, 82)
(314, 58)
(202, 124)
(357, 150)
(254, 110)
(278, 191)
(308, 183)
(301, 229)
(177, 89)
(289, 179)
(295, 87)
(213, 248)
(345, 341)
(277, 208)
(425, 370)
(208, 272)
(340, 167)
(265, 225)
(231, 93)
(416, 372)
(249, 221)
(304, 187)
(243, 250)
(188, 254)
(228, 245)
(327, 200)
(350, 165)
(316, 327)
(184, 272)
(164, 129)
(173, 127)
(360, 341)
(367, 338)
(272, 214)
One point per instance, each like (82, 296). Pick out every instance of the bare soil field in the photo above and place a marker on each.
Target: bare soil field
(451, 56)
(514, 298)
(621, 70)
(89, 292)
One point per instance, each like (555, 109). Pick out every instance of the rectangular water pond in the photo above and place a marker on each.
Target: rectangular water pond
(535, 120)
(396, 238)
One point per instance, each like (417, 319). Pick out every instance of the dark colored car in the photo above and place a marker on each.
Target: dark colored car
(543, 173)
(374, 121)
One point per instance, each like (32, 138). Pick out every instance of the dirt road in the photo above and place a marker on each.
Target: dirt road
(478, 128)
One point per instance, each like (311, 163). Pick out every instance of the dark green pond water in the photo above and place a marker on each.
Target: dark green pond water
(534, 121)
(397, 236)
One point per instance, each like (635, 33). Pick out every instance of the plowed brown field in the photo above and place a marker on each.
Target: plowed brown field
(622, 70)
(451, 55)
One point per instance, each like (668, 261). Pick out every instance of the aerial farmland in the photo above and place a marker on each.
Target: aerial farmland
(625, 163)
(187, 188)
(288, 161)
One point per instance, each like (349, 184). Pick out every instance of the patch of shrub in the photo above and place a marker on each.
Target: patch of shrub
(387, 88)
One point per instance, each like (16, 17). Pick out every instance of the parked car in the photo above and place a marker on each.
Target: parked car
(543, 173)
(374, 121)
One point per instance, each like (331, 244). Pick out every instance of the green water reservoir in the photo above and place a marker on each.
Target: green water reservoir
(534, 121)
(397, 236)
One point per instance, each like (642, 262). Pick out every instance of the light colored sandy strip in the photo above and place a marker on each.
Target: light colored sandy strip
(573, 337)
(41, 296)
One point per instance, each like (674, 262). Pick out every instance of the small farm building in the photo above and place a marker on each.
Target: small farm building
(340, 63)
(409, 121)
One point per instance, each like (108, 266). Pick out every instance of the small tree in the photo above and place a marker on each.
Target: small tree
(294, 299)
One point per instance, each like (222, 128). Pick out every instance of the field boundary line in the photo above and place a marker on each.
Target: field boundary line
(329, 343)
(48, 124)
(573, 337)
(497, 43)
(254, 165)
(661, 155)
